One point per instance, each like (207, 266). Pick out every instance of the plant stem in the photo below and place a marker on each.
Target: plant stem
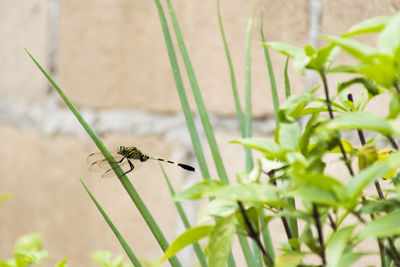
(363, 142)
(320, 234)
(329, 104)
(396, 85)
(253, 235)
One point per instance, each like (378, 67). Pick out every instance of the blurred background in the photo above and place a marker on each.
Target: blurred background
(110, 58)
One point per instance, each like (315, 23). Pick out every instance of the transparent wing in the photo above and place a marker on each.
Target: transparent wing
(125, 166)
(98, 156)
(98, 163)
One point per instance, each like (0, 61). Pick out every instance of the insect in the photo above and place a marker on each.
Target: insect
(128, 158)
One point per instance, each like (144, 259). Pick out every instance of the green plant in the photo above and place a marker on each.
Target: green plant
(28, 249)
(289, 182)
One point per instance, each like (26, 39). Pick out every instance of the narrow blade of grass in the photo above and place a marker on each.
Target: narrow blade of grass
(274, 91)
(239, 111)
(198, 98)
(287, 83)
(185, 220)
(120, 238)
(244, 244)
(275, 99)
(248, 114)
(162, 241)
(182, 94)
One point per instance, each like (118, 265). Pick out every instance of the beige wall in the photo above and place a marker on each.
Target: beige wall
(111, 61)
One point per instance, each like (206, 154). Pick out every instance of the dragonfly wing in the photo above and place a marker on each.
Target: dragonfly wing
(98, 156)
(125, 166)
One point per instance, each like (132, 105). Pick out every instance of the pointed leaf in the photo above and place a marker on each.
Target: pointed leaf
(372, 25)
(199, 190)
(360, 120)
(190, 236)
(337, 245)
(387, 225)
(272, 149)
(219, 245)
(289, 135)
(371, 173)
(359, 50)
(260, 193)
(389, 39)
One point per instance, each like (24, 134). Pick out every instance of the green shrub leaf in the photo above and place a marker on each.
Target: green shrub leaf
(219, 245)
(337, 245)
(190, 236)
(387, 225)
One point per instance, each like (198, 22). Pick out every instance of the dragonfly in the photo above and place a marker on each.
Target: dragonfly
(129, 158)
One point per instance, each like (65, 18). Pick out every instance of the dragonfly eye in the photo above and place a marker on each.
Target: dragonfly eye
(121, 149)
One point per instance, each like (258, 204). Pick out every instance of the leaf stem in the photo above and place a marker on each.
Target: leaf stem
(320, 234)
(253, 235)
(329, 104)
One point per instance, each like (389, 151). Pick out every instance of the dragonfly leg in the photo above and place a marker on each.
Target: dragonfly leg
(131, 167)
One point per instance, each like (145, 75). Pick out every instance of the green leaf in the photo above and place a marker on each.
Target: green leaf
(300, 59)
(337, 245)
(104, 258)
(359, 120)
(290, 110)
(360, 51)
(5, 197)
(349, 258)
(389, 39)
(316, 195)
(30, 256)
(385, 205)
(288, 135)
(32, 241)
(384, 226)
(272, 149)
(219, 245)
(371, 173)
(199, 190)
(290, 259)
(217, 208)
(259, 193)
(190, 236)
(320, 181)
(368, 84)
(62, 263)
(372, 25)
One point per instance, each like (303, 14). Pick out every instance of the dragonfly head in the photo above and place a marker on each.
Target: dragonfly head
(121, 150)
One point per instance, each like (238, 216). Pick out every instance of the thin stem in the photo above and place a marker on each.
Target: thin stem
(320, 234)
(393, 142)
(333, 224)
(396, 85)
(253, 235)
(363, 142)
(329, 104)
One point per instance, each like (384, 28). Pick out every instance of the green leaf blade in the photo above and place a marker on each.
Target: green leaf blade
(220, 242)
(189, 237)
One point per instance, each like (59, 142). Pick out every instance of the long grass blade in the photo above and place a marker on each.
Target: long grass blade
(198, 98)
(274, 90)
(182, 94)
(248, 108)
(275, 100)
(185, 220)
(154, 228)
(244, 244)
(239, 111)
(135, 261)
(287, 83)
